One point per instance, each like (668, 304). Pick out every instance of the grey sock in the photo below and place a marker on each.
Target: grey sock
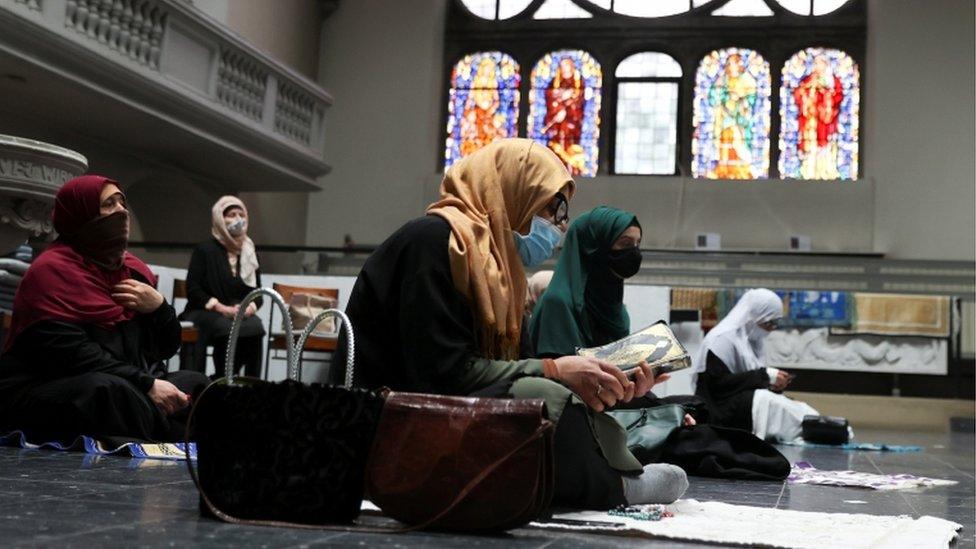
(659, 483)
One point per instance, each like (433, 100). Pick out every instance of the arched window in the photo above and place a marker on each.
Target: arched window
(483, 103)
(744, 8)
(560, 9)
(655, 8)
(819, 101)
(731, 116)
(646, 138)
(811, 7)
(568, 9)
(496, 9)
(564, 108)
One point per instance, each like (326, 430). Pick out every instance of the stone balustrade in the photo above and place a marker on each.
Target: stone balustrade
(175, 48)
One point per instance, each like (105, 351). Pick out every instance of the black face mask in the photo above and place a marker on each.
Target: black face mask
(626, 262)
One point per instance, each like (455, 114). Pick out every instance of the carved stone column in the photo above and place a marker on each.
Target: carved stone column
(31, 172)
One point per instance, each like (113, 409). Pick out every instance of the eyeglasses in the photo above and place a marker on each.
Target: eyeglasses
(559, 208)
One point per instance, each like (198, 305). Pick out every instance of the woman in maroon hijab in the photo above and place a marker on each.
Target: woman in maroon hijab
(89, 330)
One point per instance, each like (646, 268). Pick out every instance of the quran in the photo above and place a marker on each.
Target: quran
(655, 344)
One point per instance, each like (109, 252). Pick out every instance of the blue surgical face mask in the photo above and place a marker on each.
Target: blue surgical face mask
(237, 227)
(540, 243)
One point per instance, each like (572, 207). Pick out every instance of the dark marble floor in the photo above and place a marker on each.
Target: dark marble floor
(70, 500)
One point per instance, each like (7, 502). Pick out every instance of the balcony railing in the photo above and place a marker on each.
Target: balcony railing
(175, 47)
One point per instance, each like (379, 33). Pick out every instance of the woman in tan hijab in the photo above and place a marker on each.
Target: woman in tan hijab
(223, 270)
(438, 308)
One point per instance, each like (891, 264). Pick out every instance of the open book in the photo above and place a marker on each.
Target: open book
(655, 344)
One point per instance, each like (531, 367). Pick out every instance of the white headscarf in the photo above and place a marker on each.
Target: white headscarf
(738, 340)
(238, 245)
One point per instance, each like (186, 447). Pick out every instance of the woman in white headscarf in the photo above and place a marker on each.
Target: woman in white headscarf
(223, 270)
(731, 378)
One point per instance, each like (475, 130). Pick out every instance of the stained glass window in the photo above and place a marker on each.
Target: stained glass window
(647, 114)
(819, 101)
(731, 116)
(564, 108)
(483, 103)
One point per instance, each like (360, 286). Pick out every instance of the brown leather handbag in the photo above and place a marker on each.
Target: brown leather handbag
(487, 462)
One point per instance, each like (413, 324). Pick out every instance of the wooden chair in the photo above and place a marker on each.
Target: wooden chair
(314, 343)
(189, 335)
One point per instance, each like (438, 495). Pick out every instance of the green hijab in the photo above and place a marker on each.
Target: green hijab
(584, 304)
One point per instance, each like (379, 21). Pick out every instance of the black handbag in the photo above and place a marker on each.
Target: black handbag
(282, 452)
(825, 430)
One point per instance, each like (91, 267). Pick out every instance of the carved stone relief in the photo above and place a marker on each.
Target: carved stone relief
(815, 349)
(33, 216)
(31, 172)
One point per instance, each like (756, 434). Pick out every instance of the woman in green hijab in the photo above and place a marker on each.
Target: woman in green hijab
(583, 307)
(584, 304)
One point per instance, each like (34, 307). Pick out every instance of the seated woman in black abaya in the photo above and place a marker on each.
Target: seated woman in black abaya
(89, 331)
(223, 270)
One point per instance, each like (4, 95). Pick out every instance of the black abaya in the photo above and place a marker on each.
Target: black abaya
(729, 396)
(210, 276)
(62, 379)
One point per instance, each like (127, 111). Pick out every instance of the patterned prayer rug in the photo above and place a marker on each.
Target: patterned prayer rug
(89, 445)
(805, 473)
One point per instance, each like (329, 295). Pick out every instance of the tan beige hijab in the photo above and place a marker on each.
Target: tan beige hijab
(242, 245)
(484, 197)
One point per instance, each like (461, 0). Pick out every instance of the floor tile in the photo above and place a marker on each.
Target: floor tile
(65, 499)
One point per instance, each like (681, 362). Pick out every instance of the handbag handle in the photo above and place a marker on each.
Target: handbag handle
(350, 342)
(235, 331)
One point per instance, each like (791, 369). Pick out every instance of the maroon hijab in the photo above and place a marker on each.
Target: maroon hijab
(62, 284)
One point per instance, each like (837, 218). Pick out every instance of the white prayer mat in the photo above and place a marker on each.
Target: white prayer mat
(804, 473)
(723, 523)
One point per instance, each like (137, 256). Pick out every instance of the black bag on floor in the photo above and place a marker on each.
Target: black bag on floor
(825, 430)
(282, 452)
(718, 452)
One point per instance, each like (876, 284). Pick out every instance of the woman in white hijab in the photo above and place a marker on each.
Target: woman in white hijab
(730, 376)
(223, 270)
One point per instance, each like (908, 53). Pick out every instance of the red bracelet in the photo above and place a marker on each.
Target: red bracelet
(549, 368)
